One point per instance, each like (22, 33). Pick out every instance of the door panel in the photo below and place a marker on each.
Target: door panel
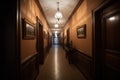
(111, 42)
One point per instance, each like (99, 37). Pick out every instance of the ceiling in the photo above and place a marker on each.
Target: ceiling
(49, 8)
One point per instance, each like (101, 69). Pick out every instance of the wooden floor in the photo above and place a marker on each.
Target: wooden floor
(57, 67)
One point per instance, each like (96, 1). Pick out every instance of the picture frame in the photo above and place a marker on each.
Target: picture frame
(81, 31)
(28, 29)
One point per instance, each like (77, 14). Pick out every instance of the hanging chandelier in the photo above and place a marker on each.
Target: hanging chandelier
(58, 14)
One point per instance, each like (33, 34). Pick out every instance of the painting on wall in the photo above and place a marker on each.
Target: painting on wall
(28, 29)
(81, 31)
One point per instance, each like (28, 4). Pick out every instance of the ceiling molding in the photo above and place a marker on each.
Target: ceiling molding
(39, 6)
(75, 9)
(48, 9)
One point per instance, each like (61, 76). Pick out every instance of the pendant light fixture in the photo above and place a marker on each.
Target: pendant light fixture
(56, 25)
(58, 14)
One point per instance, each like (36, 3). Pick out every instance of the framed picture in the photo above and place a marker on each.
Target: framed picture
(81, 31)
(28, 29)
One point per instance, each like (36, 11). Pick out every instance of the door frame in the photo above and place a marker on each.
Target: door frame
(39, 47)
(97, 39)
(10, 41)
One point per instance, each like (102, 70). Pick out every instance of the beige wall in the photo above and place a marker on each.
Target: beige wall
(83, 15)
(30, 10)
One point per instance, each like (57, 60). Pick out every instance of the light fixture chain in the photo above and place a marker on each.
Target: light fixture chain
(58, 14)
(58, 5)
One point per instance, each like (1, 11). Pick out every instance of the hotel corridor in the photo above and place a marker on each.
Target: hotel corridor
(37, 34)
(57, 67)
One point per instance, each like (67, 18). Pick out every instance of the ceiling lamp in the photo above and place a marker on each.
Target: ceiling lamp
(56, 25)
(58, 14)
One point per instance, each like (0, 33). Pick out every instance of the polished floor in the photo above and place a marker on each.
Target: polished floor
(57, 67)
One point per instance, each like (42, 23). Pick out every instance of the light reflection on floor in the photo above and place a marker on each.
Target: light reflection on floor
(56, 62)
(57, 67)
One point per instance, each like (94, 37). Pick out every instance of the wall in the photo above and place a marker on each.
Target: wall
(30, 10)
(83, 15)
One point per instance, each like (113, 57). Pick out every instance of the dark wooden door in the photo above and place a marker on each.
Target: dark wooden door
(68, 35)
(106, 41)
(48, 41)
(40, 42)
(110, 34)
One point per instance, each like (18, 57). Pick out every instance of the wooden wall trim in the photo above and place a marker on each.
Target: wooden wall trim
(83, 62)
(28, 58)
(85, 55)
(30, 68)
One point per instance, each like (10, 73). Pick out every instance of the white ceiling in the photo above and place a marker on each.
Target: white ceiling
(50, 7)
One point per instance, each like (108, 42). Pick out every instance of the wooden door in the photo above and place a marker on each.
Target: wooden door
(106, 41)
(68, 35)
(111, 42)
(40, 42)
(48, 41)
